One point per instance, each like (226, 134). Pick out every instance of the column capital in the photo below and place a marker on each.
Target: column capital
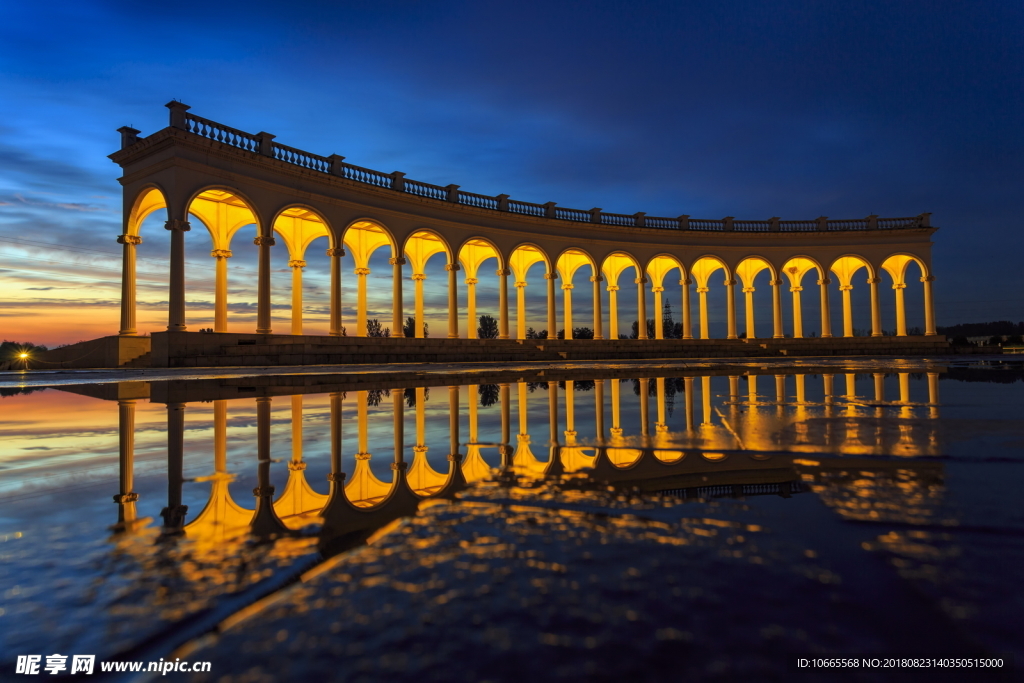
(472, 281)
(657, 289)
(132, 239)
(363, 456)
(568, 285)
(419, 449)
(703, 290)
(397, 261)
(845, 288)
(730, 282)
(264, 241)
(129, 497)
(747, 290)
(336, 251)
(686, 282)
(824, 281)
(296, 263)
(176, 224)
(419, 276)
(874, 280)
(597, 278)
(775, 283)
(899, 285)
(613, 288)
(452, 267)
(296, 466)
(337, 477)
(927, 278)
(362, 271)
(263, 491)
(520, 284)
(503, 272)
(221, 253)
(399, 466)
(797, 288)
(550, 276)
(641, 280)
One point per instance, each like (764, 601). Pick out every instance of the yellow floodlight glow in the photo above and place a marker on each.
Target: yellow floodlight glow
(23, 355)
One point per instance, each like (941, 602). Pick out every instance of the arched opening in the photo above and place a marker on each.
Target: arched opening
(374, 312)
(616, 267)
(702, 270)
(854, 293)
(144, 270)
(300, 227)
(430, 303)
(473, 254)
(752, 271)
(568, 263)
(663, 322)
(901, 268)
(803, 324)
(523, 258)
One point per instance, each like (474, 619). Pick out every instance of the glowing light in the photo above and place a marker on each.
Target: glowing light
(23, 355)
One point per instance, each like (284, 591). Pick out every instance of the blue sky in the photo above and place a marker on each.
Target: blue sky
(792, 109)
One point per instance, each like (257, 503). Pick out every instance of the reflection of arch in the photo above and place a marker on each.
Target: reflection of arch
(612, 268)
(748, 270)
(658, 267)
(845, 267)
(472, 255)
(795, 269)
(523, 258)
(896, 266)
(568, 262)
(701, 270)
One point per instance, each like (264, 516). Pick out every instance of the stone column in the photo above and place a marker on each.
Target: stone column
(826, 313)
(176, 296)
(688, 405)
(748, 301)
(641, 307)
(752, 389)
(503, 274)
(336, 253)
(126, 497)
(901, 311)
(847, 310)
(704, 333)
(780, 389)
(879, 386)
(929, 306)
(876, 308)
(296, 265)
(524, 433)
(361, 274)
(616, 430)
(553, 416)
(798, 315)
(453, 301)
(904, 387)
(220, 297)
(398, 426)
(552, 323)
(705, 395)
(659, 315)
(661, 426)
(613, 312)
(645, 408)
(471, 321)
(599, 409)
(598, 318)
(801, 395)
(174, 513)
(453, 422)
(264, 242)
(336, 476)
(730, 308)
(506, 425)
(687, 320)
(418, 278)
(777, 309)
(570, 412)
(128, 328)
(567, 288)
(520, 309)
(397, 311)
(933, 388)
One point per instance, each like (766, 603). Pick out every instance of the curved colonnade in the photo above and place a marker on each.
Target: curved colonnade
(228, 180)
(760, 423)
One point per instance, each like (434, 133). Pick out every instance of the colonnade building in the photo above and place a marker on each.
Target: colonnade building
(227, 179)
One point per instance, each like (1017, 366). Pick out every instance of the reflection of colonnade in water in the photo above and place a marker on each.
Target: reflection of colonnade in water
(344, 207)
(772, 416)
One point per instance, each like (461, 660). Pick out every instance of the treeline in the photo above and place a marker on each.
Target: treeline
(999, 327)
(10, 350)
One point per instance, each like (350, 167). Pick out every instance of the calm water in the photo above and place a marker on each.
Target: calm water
(623, 524)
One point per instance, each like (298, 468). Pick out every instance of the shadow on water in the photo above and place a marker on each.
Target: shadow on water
(709, 525)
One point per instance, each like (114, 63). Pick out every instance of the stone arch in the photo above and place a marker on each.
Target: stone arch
(224, 211)
(657, 268)
(523, 257)
(701, 271)
(896, 266)
(567, 263)
(794, 269)
(362, 237)
(299, 225)
(471, 255)
(747, 270)
(611, 268)
(418, 248)
(149, 200)
(845, 267)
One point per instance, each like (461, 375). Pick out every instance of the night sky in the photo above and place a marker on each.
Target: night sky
(746, 109)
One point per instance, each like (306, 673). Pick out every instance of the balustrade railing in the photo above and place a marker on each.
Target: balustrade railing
(263, 143)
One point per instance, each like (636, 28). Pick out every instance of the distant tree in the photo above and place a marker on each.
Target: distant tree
(961, 340)
(409, 328)
(560, 335)
(1015, 339)
(536, 334)
(10, 350)
(915, 331)
(489, 394)
(582, 333)
(375, 329)
(488, 328)
(375, 396)
(635, 333)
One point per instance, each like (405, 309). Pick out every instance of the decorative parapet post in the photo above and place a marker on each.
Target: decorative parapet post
(872, 222)
(727, 223)
(178, 110)
(774, 225)
(266, 143)
(595, 215)
(924, 220)
(453, 194)
(398, 181)
(549, 209)
(129, 136)
(822, 223)
(337, 165)
(502, 202)
(638, 219)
